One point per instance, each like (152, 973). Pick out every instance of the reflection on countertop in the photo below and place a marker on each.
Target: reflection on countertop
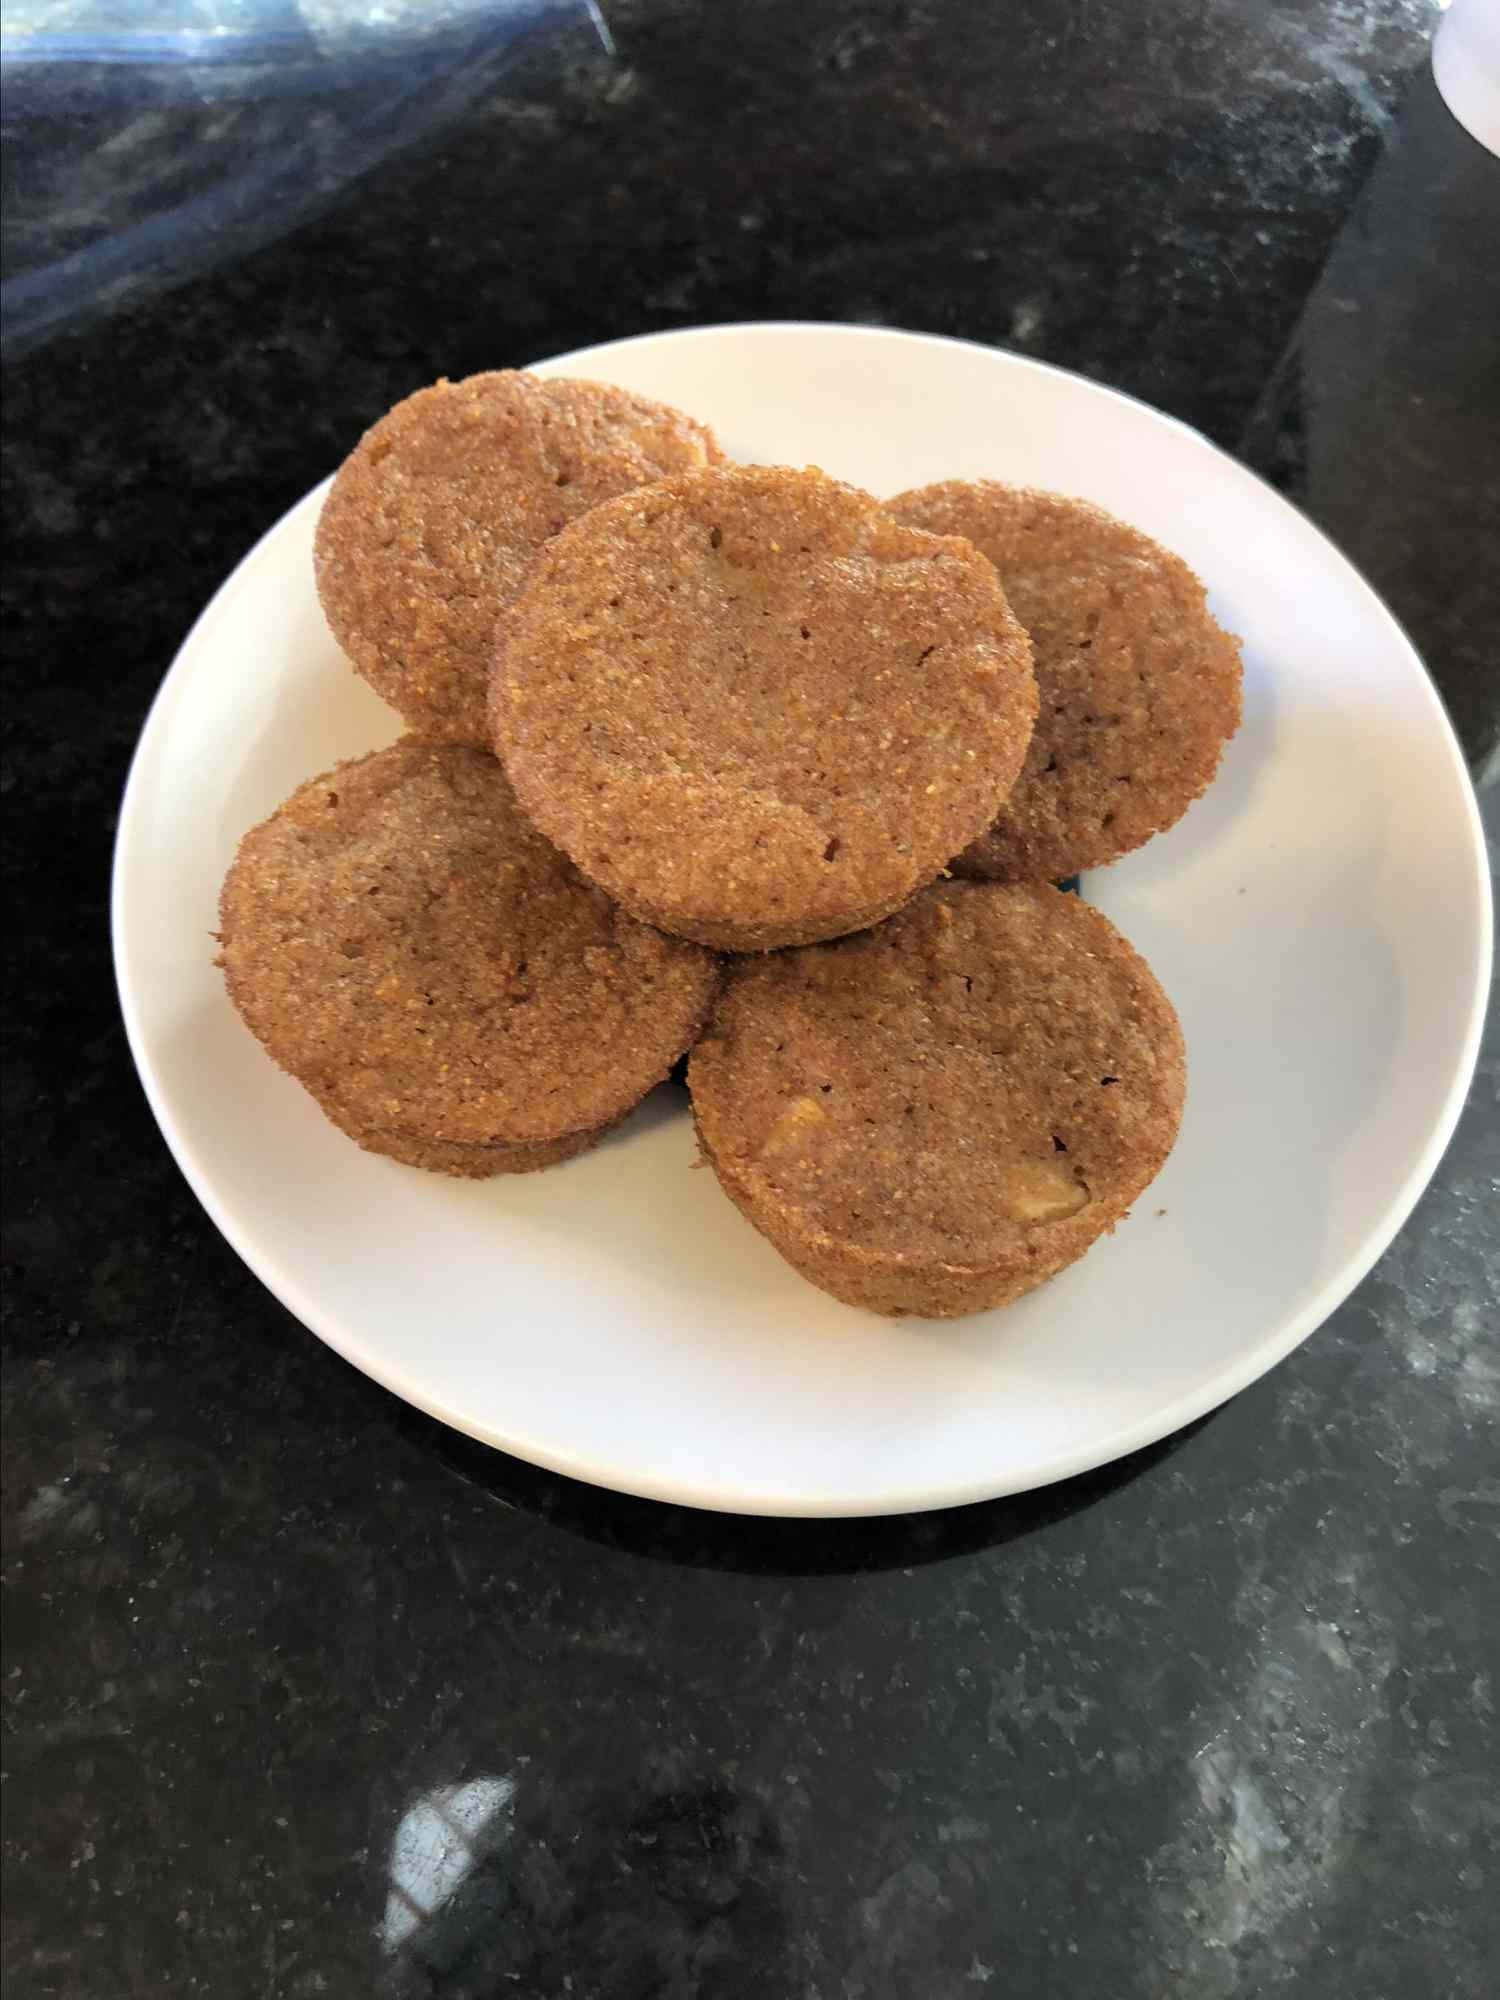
(306, 1696)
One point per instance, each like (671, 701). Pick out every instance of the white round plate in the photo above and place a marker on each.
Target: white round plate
(1321, 920)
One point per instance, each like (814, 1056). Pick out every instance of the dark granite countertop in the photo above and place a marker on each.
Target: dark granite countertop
(305, 1695)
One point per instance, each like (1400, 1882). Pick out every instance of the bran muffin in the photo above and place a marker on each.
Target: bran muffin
(1139, 687)
(435, 516)
(476, 1163)
(757, 710)
(936, 1115)
(439, 978)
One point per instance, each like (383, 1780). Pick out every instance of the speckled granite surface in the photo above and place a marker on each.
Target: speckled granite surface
(306, 1696)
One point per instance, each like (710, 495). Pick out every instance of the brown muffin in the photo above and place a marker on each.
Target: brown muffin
(755, 709)
(476, 1163)
(936, 1115)
(434, 518)
(438, 977)
(1139, 688)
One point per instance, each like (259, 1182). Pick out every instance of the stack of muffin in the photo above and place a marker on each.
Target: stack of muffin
(741, 761)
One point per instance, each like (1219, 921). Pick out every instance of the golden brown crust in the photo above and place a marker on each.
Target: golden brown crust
(436, 515)
(475, 1163)
(438, 977)
(936, 1115)
(750, 705)
(1139, 687)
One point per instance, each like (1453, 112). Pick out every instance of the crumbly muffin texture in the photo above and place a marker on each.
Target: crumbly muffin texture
(936, 1115)
(665, 708)
(1139, 687)
(438, 976)
(757, 710)
(432, 521)
(475, 1163)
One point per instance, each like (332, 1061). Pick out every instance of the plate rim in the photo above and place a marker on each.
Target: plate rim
(704, 1494)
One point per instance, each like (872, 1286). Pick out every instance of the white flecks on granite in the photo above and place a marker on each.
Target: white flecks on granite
(307, 1696)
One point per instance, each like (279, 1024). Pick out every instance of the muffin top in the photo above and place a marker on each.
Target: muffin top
(987, 1079)
(433, 519)
(1138, 687)
(410, 950)
(756, 709)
